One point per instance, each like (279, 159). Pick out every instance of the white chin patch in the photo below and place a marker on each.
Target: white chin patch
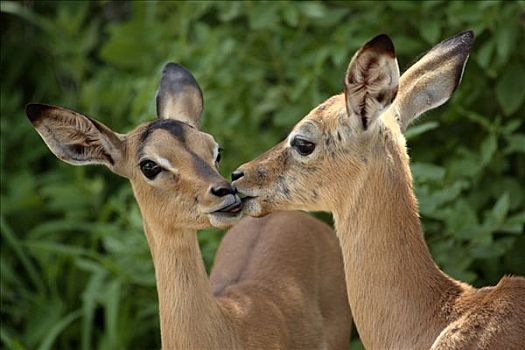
(252, 207)
(223, 221)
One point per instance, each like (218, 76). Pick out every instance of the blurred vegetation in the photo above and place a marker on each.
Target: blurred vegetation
(75, 268)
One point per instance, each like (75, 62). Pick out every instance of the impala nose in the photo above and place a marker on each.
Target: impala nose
(222, 190)
(237, 174)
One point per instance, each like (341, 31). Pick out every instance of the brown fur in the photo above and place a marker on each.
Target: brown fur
(269, 289)
(399, 298)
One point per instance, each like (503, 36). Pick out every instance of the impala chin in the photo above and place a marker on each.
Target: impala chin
(224, 220)
(227, 213)
(252, 206)
(253, 203)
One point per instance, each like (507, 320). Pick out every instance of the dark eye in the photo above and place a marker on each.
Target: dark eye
(150, 169)
(219, 155)
(302, 146)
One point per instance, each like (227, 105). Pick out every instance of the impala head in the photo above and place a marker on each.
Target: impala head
(171, 164)
(335, 148)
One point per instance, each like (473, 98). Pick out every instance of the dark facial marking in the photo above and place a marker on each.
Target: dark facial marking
(286, 191)
(339, 136)
(174, 127)
(203, 168)
(260, 173)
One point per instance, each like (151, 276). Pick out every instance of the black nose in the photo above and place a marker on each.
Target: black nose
(237, 174)
(222, 190)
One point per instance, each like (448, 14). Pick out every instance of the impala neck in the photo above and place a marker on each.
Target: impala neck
(189, 313)
(394, 286)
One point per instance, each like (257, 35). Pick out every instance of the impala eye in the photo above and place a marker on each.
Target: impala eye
(219, 155)
(302, 146)
(150, 169)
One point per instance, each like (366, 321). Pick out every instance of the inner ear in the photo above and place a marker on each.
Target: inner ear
(371, 80)
(179, 96)
(75, 138)
(432, 80)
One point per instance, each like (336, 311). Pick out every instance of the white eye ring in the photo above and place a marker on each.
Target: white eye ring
(217, 154)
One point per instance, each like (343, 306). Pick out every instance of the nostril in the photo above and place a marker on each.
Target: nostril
(237, 174)
(221, 191)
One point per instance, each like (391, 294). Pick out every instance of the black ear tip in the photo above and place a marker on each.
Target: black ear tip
(469, 38)
(468, 34)
(466, 37)
(382, 44)
(172, 66)
(175, 75)
(176, 70)
(464, 40)
(35, 111)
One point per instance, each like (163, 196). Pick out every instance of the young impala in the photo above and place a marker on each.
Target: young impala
(348, 156)
(269, 289)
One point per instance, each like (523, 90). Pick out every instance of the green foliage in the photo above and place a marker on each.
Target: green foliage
(75, 268)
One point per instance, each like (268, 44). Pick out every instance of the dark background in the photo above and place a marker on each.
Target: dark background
(75, 268)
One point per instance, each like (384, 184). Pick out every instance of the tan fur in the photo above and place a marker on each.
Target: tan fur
(360, 172)
(270, 288)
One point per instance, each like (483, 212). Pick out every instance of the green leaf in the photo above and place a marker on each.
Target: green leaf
(511, 126)
(485, 53)
(231, 11)
(515, 144)
(497, 215)
(501, 208)
(431, 31)
(510, 89)
(57, 328)
(90, 298)
(312, 9)
(427, 172)
(14, 243)
(517, 218)
(112, 302)
(432, 202)
(493, 250)
(266, 18)
(291, 16)
(461, 221)
(506, 35)
(416, 130)
(10, 342)
(488, 147)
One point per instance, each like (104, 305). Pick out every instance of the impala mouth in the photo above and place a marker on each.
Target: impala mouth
(251, 203)
(245, 197)
(228, 214)
(245, 194)
(231, 208)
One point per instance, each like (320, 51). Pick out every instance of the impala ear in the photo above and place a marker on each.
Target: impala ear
(75, 138)
(179, 96)
(431, 81)
(371, 80)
